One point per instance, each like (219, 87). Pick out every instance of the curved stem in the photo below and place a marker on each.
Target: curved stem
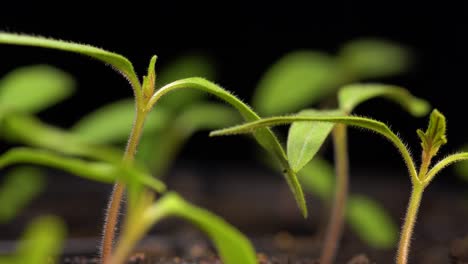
(444, 163)
(113, 209)
(335, 226)
(410, 220)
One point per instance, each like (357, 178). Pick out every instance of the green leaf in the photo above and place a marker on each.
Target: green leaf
(42, 241)
(350, 96)
(264, 137)
(306, 138)
(298, 79)
(97, 171)
(318, 177)
(435, 135)
(118, 62)
(373, 58)
(159, 149)
(112, 123)
(355, 121)
(30, 131)
(371, 222)
(20, 186)
(149, 81)
(233, 246)
(185, 66)
(32, 89)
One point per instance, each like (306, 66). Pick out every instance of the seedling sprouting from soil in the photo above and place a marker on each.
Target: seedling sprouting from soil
(313, 78)
(306, 138)
(431, 141)
(233, 247)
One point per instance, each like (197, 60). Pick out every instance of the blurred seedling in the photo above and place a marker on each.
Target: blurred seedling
(431, 141)
(239, 249)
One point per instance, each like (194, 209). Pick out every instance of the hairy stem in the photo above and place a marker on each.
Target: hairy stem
(335, 226)
(115, 200)
(410, 220)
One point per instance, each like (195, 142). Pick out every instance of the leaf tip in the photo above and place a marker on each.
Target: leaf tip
(435, 135)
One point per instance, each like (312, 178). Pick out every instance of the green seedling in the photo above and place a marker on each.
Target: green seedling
(305, 140)
(19, 187)
(41, 242)
(161, 140)
(145, 98)
(312, 77)
(431, 141)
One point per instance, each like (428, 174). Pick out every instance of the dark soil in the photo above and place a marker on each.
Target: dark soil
(279, 233)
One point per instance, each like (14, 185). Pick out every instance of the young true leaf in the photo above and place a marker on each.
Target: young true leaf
(232, 246)
(296, 80)
(98, 171)
(34, 88)
(372, 58)
(306, 138)
(264, 136)
(434, 137)
(19, 187)
(41, 242)
(350, 96)
(361, 122)
(118, 62)
(30, 131)
(112, 123)
(189, 65)
(149, 81)
(371, 222)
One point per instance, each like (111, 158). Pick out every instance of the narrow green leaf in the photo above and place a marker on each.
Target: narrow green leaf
(264, 137)
(306, 138)
(185, 66)
(118, 62)
(373, 58)
(350, 96)
(30, 131)
(233, 246)
(159, 149)
(355, 121)
(435, 135)
(298, 79)
(371, 222)
(32, 89)
(112, 123)
(97, 171)
(42, 241)
(19, 187)
(318, 177)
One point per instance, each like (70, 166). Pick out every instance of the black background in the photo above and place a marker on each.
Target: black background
(244, 39)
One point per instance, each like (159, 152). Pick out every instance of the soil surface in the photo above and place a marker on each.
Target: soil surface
(273, 222)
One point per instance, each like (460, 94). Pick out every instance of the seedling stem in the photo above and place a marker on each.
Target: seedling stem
(335, 227)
